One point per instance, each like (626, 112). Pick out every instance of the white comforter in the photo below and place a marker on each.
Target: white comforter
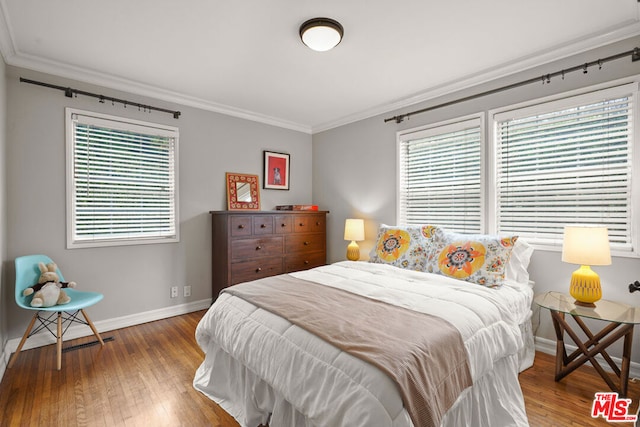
(261, 368)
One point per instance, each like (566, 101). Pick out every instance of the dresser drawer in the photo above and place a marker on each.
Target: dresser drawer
(283, 224)
(256, 248)
(240, 226)
(262, 225)
(309, 223)
(250, 245)
(244, 271)
(303, 261)
(304, 243)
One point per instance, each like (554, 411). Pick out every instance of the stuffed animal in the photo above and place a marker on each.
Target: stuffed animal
(48, 291)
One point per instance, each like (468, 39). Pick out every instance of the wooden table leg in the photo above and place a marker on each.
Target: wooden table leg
(626, 362)
(557, 318)
(595, 339)
(599, 343)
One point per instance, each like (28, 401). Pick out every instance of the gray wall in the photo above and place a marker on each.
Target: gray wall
(133, 279)
(354, 171)
(3, 228)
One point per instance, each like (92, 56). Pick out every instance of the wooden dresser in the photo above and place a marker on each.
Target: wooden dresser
(249, 245)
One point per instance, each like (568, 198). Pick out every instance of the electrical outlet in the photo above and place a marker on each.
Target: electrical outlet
(174, 292)
(187, 291)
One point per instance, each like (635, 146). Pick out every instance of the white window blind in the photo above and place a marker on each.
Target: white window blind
(566, 162)
(121, 181)
(440, 176)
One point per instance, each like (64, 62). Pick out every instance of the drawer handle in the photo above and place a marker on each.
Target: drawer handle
(258, 247)
(283, 225)
(301, 225)
(306, 262)
(306, 243)
(258, 270)
(263, 226)
(241, 226)
(317, 222)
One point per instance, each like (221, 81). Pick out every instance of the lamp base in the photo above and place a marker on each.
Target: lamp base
(584, 304)
(353, 251)
(585, 286)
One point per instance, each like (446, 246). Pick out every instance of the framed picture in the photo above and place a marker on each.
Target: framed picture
(276, 171)
(243, 192)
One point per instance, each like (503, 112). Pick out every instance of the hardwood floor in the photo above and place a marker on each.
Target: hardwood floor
(144, 377)
(141, 378)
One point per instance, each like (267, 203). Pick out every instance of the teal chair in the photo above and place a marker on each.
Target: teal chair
(27, 274)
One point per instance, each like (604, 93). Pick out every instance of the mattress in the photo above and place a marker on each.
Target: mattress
(262, 369)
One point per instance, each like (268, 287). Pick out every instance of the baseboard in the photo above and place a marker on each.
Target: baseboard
(77, 331)
(549, 347)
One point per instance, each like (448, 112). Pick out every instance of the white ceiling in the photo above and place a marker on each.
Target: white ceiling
(245, 58)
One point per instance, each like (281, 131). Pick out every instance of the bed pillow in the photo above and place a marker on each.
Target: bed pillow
(476, 258)
(402, 246)
(517, 268)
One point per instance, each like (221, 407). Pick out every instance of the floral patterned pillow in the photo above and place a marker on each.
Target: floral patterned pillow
(477, 258)
(404, 247)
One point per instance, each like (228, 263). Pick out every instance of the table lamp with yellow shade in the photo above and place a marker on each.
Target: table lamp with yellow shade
(354, 231)
(586, 245)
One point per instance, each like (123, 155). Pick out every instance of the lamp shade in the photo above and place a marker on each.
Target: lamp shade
(321, 34)
(586, 245)
(354, 229)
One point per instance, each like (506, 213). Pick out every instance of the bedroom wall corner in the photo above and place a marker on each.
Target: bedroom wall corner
(5, 288)
(354, 177)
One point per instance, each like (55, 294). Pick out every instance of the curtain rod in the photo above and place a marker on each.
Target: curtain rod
(69, 92)
(546, 78)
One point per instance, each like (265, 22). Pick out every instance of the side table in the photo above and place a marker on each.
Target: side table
(621, 319)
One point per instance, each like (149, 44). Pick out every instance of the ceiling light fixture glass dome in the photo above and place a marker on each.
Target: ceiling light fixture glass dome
(321, 34)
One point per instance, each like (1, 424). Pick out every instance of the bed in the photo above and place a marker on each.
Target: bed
(265, 369)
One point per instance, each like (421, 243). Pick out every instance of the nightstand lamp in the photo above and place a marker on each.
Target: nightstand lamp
(354, 231)
(586, 245)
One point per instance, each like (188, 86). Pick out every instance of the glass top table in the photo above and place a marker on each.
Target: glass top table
(604, 310)
(620, 320)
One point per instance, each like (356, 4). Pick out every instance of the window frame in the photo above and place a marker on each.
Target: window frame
(564, 100)
(122, 124)
(489, 159)
(443, 127)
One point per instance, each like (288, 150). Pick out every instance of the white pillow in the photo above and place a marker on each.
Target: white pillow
(519, 262)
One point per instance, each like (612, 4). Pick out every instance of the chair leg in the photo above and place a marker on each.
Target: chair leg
(93, 328)
(22, 341)
(59, 343)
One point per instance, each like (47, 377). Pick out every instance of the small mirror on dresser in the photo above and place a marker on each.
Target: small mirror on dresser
(243, 192)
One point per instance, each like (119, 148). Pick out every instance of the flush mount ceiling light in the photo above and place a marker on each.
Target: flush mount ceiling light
(321, 34)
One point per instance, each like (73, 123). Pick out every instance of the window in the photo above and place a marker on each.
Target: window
(566, 162)
(121, 181)
(440, 175)
(547, 164)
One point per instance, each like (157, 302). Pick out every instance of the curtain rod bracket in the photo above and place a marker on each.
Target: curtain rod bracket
(635, 56)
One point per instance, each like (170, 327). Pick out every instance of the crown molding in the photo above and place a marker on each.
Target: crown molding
(619, 33)
(7, 48)
(14, 57)
(137, 88)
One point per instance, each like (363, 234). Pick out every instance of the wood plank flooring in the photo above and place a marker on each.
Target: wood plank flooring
(144, 378)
